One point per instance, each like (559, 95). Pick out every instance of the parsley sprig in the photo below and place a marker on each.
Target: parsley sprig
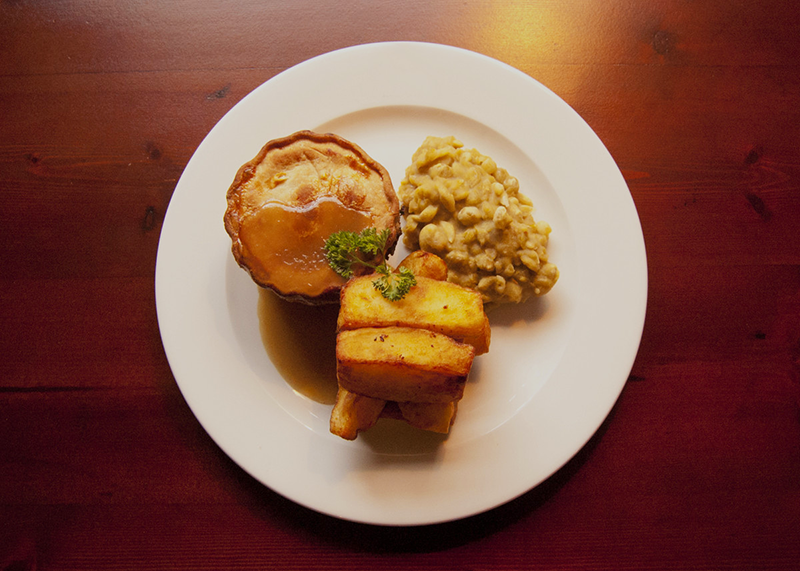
(345, 249)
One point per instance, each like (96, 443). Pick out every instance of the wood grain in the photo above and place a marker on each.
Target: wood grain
(103, 465)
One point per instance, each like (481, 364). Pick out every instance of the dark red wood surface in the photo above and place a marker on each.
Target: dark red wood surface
(103, 465)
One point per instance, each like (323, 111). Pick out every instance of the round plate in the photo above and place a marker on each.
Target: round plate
(556, 365)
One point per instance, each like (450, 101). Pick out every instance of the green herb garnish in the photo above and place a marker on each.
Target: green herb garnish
(345, 249)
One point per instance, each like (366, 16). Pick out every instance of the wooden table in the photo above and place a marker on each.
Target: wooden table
(103, 465)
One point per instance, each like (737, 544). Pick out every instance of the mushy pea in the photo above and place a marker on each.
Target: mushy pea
(461, 206)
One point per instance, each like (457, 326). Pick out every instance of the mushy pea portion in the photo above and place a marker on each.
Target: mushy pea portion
(461, 206)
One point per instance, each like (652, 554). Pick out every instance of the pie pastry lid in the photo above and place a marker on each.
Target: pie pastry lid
(283, 205)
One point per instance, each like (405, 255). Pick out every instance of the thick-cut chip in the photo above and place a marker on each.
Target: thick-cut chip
(402, 364)
(402, 355)
(433, 416)
(435, 305)
(425, 265)
(353, 413)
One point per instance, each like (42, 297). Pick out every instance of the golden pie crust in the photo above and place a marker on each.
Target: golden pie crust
(311, 176)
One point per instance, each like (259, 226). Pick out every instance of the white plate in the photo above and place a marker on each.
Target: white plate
(556, 365)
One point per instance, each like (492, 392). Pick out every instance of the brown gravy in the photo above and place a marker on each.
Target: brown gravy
(288, 243)
(301, 342)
